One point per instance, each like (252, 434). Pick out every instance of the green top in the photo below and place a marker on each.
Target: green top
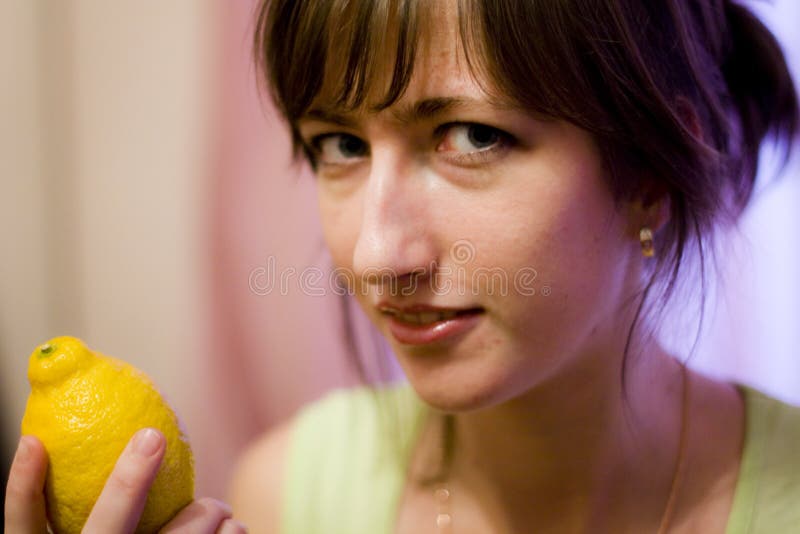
(768, 490)
(346, 471)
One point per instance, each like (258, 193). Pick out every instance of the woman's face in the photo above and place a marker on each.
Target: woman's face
(449, 200)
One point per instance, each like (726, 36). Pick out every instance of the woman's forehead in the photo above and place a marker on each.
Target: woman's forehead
(439, 71)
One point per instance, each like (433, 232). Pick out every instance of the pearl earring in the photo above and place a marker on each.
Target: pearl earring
(646, 239)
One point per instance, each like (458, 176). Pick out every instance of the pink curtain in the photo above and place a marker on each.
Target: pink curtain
(270, 348)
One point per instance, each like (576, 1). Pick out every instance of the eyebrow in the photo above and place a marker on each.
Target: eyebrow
(429, 108)
(419, 111)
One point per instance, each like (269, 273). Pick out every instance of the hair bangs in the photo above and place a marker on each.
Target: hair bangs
(341, 52)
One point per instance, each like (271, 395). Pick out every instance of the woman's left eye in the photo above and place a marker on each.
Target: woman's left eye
(471, 140)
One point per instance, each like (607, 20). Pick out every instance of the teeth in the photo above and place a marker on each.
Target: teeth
(425, 317)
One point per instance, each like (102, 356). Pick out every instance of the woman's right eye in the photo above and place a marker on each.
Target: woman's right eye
(338, 148)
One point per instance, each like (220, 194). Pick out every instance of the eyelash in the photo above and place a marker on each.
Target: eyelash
(475, 158)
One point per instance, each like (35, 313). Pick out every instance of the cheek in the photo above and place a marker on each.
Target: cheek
(559, 245)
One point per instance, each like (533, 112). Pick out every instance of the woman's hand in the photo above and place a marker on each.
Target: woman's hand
(120, 503)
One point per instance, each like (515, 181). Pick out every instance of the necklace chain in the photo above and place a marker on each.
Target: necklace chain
(444, 516)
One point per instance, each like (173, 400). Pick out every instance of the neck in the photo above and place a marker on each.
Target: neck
(572, 447)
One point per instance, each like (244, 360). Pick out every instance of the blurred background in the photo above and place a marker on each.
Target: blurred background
(145, 198)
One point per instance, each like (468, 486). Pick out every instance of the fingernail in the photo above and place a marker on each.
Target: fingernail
(146, 442)
(24, 449)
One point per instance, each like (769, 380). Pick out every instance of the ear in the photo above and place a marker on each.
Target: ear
(650, 208)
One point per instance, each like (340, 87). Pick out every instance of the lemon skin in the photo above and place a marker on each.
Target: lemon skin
(85, 407)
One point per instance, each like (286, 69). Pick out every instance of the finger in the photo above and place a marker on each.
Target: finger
(122, 500)
(24, 507)
(231, 526)
(201, 516)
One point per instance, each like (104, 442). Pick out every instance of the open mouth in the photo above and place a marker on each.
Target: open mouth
(429, 317)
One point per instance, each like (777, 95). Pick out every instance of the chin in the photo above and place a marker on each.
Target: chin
(450, 393)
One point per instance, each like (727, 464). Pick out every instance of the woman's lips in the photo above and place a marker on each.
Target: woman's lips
(447, 328)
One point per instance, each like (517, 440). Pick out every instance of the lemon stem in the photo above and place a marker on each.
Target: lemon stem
(45, 349)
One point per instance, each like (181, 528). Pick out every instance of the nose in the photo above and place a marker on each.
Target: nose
(396, 242)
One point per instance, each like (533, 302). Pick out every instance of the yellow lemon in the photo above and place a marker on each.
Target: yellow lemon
(85, 407)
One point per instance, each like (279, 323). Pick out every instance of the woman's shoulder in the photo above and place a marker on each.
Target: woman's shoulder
(255, 489)
(772, 424)
(329, 447)
(769, 480)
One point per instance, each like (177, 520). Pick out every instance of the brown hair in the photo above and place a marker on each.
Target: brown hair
(678, 94)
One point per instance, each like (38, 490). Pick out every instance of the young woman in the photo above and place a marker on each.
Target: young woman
(511, 191)
(595, 146)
